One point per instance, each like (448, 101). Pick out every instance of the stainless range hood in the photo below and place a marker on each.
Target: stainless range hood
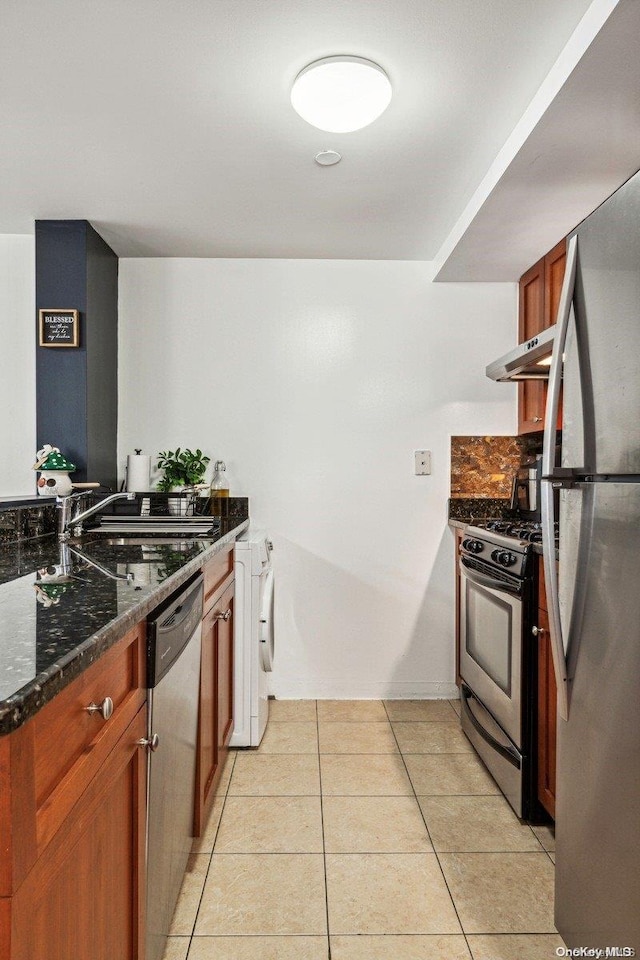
(527, 361)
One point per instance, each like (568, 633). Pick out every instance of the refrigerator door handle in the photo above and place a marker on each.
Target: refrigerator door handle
(551, 584)
(548, 469)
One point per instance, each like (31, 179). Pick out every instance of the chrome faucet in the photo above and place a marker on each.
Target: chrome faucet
(67, 517)
(98, 566)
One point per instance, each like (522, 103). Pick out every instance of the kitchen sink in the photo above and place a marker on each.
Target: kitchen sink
(124, 558)
(122, 550)
(177, 541)
(113, 551)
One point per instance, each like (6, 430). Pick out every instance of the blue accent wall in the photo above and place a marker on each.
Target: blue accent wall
(77, 388)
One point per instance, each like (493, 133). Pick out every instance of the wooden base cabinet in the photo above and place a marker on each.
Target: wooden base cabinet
(225, 669)
(84, 897)
(72, 819)
(215, 723)
(547, 707)
(458, 536)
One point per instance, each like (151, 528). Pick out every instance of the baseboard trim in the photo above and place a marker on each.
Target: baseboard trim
(363, 690)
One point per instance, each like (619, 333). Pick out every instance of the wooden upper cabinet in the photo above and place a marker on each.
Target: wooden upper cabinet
(531, 302)
(539, 296)
(554, 264)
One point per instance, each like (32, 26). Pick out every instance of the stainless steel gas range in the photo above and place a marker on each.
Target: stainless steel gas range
(498, 600)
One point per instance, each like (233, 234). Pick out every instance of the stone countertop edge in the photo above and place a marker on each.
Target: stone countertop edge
(463, 524)
(21, 706)
(10, 503)
(459, 524)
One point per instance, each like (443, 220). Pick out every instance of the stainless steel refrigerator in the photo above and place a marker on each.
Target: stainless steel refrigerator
(595, 597)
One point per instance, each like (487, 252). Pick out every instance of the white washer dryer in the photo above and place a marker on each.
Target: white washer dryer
(254, 645)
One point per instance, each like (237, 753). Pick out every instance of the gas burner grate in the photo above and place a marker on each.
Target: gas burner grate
(498, 526)
(529, 531)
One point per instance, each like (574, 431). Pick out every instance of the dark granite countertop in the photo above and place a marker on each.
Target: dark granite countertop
(469, 509)
(54, 625)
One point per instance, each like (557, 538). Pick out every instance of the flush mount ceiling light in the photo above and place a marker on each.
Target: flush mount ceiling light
(341, 94)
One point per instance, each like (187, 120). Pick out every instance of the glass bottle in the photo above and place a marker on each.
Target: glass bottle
(219, 488)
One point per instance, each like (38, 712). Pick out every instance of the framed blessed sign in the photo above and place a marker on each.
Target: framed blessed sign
(59, 328)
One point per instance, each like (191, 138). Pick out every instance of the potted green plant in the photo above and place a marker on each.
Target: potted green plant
(182, 470)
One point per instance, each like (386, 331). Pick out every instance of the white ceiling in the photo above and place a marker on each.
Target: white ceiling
(577, 142)
(167, 123)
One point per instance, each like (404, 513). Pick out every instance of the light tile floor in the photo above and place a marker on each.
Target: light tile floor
(372, 829)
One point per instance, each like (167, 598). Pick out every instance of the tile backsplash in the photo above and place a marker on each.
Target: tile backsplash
(484, 466)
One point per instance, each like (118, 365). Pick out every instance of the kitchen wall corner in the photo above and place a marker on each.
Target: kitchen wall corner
(17, 365)
(315, 380)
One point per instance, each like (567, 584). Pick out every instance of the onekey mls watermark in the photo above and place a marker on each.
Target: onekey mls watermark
(597, 952)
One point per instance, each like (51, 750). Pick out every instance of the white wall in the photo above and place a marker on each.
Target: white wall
(315, 381)
(17, 365)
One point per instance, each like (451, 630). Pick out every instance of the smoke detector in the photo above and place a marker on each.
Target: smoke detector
(327, 158)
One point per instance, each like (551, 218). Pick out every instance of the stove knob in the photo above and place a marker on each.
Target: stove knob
(475, 546)
(505, 558)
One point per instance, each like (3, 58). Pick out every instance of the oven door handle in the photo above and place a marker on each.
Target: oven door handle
(511, 755)
(482, 580)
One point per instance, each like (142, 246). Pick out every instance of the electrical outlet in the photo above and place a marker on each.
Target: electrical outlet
(422, 463)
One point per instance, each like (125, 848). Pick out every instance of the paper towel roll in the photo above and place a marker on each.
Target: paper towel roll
(138, 467)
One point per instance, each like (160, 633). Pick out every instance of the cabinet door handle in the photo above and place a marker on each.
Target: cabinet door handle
(223, 616)
(536, 419)
(538, 631)
(152, 743)
(105, 709)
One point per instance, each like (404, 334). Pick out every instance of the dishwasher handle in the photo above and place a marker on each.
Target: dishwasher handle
(150, 743)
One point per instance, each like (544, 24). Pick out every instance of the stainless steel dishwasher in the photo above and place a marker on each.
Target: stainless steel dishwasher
(173, 680)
